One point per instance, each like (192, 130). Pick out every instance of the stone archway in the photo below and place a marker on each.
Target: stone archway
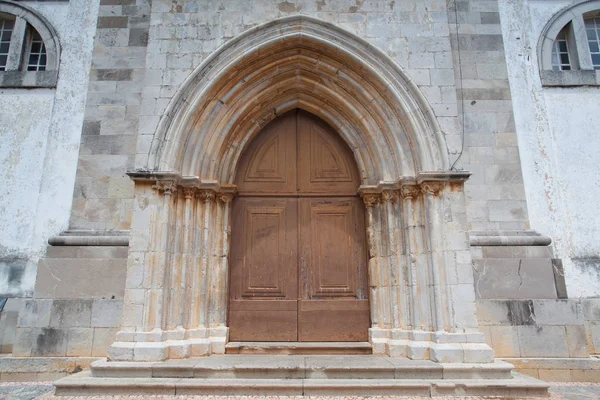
(421, 291)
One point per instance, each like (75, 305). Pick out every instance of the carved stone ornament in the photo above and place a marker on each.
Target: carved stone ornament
(410, 191)
(166, 187)
(225, 198)
(207, 195)
(389, 195)
(371, 200)
(188, 192)
(432, 188)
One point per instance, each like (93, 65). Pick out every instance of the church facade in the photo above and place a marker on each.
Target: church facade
(182, 176)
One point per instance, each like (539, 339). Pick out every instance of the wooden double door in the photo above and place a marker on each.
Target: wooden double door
(298, 269)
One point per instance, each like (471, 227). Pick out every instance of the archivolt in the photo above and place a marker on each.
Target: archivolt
(299, 62)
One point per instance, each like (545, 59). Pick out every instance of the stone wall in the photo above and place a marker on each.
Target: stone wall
(495, 192)
(40, 133)
(415, 34)
(77, 305)
(103, 193)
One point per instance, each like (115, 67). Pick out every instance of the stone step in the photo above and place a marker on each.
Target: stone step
(299, 367)
(82, 384)
(298, 348)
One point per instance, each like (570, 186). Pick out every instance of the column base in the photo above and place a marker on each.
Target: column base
(162, 345)
(442, 347)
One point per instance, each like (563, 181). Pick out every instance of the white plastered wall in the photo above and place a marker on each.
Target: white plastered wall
(40, 132)
(559, 147)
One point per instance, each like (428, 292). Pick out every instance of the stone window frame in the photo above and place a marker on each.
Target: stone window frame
(571, 21)
(16, 74)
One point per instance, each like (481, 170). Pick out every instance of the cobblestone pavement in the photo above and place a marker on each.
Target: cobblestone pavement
(45, 391)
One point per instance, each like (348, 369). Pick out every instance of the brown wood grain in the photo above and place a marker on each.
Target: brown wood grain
(298, 265)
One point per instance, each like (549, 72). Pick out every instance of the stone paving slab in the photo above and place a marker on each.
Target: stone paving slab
(44, 391)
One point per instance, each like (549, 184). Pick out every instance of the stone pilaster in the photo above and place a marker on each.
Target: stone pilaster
(178, 309)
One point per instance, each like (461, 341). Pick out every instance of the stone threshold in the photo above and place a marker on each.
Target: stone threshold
(300, 375)
(298, 348)
(84, 385)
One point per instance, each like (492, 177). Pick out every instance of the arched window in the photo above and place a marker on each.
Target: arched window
(569, 47)
(29, 48)
(560, 52)
(592, 30)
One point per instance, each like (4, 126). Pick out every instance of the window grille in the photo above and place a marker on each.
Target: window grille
(6, 29)
(37, 53)
(592, 28)
(560, 53)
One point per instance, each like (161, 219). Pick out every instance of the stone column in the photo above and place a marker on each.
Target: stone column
(176, 291)
(422, 300)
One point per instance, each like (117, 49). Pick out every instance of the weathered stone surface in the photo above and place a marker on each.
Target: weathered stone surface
(514, 278)
(80, 278)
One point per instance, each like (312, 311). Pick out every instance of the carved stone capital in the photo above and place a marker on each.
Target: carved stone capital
(389, 195)
(188, 192)
(225, 198)
(410, 191)
(432, 187)
(167, 187)
(207, 195)
(371, 199)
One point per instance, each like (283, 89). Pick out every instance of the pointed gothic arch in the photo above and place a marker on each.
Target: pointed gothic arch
(298, 62)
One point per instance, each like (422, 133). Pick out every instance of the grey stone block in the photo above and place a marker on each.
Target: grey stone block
(71, 313)
(577, 341)
(112, 22)
(591, 309)
(106, 313)
(91, 127)
(513, 278)
(24, 339)
(35, 313)
(81, 278)
(505, 312)
(505, 341)
(103, 338)
(490, 18)
(80, 342)
(49, 342)
(543, 341)
(138, 37)
(111, 75)
(558, 312)
(481, 42)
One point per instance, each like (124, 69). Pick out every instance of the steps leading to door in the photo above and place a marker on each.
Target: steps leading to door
(299, 375)
(299, 348)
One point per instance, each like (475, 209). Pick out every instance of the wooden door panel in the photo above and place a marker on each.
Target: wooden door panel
(325, 163)
(264, 248)
(333, 320)
(263, 286)
(268, 165)
(264, 320)
(332, 249)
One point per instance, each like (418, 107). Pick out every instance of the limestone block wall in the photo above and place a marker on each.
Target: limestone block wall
(103, 194)
(8, 324)
(77, 304)
(495, 193)
(558, 146)
(40, 133)
(534, 328)
(131, 86)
